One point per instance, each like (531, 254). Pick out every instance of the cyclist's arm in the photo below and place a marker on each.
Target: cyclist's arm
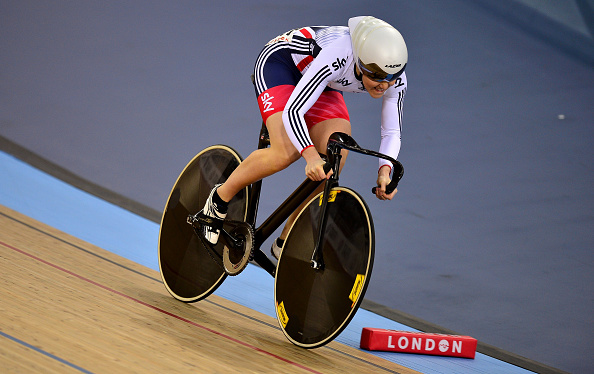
(306, 93)
(390, 134)
(391, 125)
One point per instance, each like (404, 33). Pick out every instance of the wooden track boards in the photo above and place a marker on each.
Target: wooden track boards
(68, 306)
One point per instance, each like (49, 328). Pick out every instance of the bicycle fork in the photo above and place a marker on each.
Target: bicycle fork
(317, 257)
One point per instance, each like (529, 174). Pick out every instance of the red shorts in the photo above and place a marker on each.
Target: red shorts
(330, 105)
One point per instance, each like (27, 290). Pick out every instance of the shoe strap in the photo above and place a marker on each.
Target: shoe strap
(215, 223)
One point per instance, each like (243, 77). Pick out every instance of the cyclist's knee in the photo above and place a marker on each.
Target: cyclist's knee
(322, 131)
(278, 157)
(284, 158)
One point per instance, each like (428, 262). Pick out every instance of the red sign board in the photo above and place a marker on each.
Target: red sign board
(418, 342)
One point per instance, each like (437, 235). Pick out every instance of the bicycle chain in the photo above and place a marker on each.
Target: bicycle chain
(252, 234)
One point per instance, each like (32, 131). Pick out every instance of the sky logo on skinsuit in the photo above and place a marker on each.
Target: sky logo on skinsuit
(267, 102)
(338, 63)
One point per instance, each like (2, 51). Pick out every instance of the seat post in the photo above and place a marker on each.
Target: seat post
(264, 139)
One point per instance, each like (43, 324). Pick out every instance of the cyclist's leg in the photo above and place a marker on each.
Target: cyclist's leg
(262, 162)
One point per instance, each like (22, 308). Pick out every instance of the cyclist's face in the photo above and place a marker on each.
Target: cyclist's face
(376, 89)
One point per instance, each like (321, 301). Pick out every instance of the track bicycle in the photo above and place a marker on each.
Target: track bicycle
(327, 258)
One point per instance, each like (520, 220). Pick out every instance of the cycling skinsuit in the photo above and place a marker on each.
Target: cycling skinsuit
(303, 73)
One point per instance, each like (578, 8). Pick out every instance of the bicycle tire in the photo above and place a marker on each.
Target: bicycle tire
(314, 306)
(188, 271)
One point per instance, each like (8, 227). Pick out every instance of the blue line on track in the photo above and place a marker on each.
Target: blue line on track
(47, 354)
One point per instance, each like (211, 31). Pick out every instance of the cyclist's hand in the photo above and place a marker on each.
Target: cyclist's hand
(383, 179)
(314, 169)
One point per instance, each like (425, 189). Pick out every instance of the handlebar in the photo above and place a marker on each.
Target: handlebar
(339, 140)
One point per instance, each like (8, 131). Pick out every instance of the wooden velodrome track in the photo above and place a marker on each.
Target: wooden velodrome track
(69, 306)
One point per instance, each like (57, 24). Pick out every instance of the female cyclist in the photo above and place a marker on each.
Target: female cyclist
(299, 80)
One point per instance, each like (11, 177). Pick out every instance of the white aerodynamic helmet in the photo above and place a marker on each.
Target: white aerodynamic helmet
(379, 49)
